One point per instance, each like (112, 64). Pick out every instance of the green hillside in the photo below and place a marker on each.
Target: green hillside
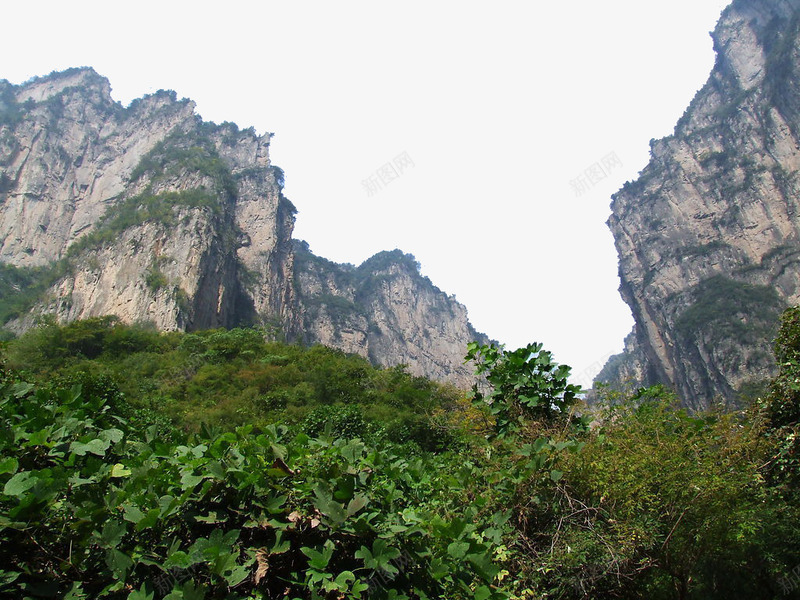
(218, 464)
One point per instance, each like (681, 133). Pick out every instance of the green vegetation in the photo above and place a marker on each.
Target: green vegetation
(107, 510)
(779, 38)
(524, 385)
(21, 287)
(675, 504)
(719, 159)
(227, 376)
(183, 152)
(144, 208)
(155, 279)
(783, 402)
(145, 465)
(280, 176)
(11, 111)
(728, 309)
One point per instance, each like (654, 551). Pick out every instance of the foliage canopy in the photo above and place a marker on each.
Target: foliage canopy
(145, 465)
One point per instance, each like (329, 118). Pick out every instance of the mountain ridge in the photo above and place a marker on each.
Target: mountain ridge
(151, 213)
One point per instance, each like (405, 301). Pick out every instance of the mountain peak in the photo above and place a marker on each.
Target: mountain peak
(151, 214)
(707, 236)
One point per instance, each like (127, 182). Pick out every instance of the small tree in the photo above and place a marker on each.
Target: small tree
(523, 385)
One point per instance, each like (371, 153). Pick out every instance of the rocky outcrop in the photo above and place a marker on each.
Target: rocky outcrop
(150, 214)
(707, 236)
(385, 310)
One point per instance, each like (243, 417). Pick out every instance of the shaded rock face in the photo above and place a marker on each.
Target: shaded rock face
(708, 237)
(151, 214)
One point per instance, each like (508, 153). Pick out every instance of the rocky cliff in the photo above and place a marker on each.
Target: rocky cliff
(385, 308)
(148, 213)
(707, 236)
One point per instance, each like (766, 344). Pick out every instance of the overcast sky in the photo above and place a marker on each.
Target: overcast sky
(485, 138)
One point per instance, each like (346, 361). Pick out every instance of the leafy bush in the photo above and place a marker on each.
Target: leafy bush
(92, 507)
(155, 279)
(525, 385)
(226, 376)
(783, 402)
(673, 503)
(322, 477)
(11, 112)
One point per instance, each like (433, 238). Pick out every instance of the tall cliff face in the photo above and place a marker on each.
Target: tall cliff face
(151, 214)
(708, 236)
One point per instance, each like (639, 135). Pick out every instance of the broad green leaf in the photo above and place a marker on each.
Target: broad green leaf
(483, 566)
(328, 506)
(358, 587)
(280, 546)
(132, 513)
(216, 470)
(275, 505)
(482, 593)
(188, 480)
(318, 560)
(77, 482)
(39, 438)
(6, 522)
(458, 549)
(343, 579)
(119, 470)
(179, 559)
(237, 574)
(22, 389)
(111, 435)
(192, 592)
(119, 563)
(149, 520)
(113, 532)
(76, 592)
(356, 504)
(20, 483)
(96, 446)
(211, 517)
(7, 577)
(540, 444)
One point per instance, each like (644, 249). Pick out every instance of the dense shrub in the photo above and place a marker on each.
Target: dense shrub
(218, 464)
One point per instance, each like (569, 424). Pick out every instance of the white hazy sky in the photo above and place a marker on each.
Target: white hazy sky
(500, 105)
